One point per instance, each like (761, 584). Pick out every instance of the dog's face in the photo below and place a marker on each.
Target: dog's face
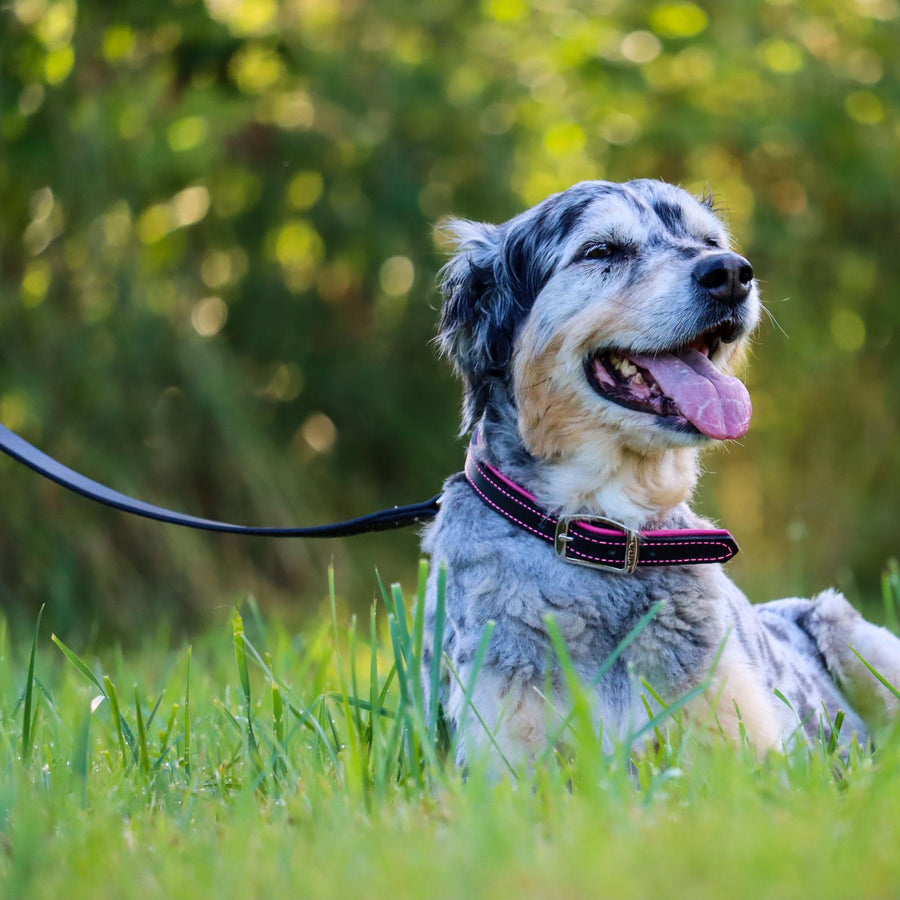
(607, 309)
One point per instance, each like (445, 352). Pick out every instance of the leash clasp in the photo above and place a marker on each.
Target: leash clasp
(562, 539)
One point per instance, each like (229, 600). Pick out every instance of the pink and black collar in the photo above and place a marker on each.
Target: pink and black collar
(595, 541)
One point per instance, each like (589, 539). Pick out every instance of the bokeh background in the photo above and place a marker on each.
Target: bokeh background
(217, 261)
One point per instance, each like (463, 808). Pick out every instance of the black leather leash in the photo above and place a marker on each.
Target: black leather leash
(396, 517)
(584, 540)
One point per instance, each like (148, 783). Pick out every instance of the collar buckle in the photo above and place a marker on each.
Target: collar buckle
(562, 539)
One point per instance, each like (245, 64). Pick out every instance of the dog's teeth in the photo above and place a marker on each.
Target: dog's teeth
(627, 367)
(638, 379)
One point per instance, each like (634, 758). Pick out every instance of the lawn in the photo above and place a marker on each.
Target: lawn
(260, 763)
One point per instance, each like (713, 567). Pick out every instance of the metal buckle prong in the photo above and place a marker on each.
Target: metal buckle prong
(562, 538)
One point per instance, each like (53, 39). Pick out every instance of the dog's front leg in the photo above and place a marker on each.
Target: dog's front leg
(737, 703)
(505, 723)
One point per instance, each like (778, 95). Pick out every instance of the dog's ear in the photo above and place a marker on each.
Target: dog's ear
(479, 316)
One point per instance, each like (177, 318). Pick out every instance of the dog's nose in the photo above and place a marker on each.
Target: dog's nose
(725, 276)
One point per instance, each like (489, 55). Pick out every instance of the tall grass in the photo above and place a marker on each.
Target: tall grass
(260, 763)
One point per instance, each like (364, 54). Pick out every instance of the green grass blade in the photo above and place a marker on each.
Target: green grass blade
(167, 732)
(143, 752)
(277, 714)
(117, 717)
(240, 655)
(345, 692)
(374, 724)
(187, 714)
(400, 616)
(354, 682)
(667, 713)
(419, 638)
(440, 618)
(27, 730)
(894, 690)
(78, 662)
(364, 705)
(308, 719)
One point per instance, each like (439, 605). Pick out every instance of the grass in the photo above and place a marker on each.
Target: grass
(257, 763)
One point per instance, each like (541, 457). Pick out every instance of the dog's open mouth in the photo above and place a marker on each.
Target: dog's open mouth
(682, 387)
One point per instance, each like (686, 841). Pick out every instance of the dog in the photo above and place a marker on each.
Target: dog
(595, 335)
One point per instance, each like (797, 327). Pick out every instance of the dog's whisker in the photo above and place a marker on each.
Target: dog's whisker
(773, 319)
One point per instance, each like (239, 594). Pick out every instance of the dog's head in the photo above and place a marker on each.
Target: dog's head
(608, 307)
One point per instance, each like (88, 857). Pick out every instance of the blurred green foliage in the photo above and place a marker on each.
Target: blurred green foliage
(216, 265)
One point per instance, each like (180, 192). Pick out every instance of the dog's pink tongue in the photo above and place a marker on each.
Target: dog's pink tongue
(715, 403)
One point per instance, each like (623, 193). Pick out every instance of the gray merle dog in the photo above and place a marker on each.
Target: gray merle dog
(594, 335)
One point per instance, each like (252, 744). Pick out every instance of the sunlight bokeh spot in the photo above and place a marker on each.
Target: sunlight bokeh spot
(305, 189)
(564, 139)
(285, 384)
(13, 410)
(884, 10)
(865, 66)
(29, 12)
(292, 110)
(317, 16)
(216, 270)
(396, 275)
(41, 204)
(47, 221)
(620, 128)
(299, 249)
(245, 17)
(56, 26)
(187, 133)
(189, 206)
(640, 46)
(154, 223)
(864, 107)
(254, 17)
(256, 68)
(848, 330)
(297, 241)
(35, 284)
(781, 56)
(31, 99)
(119, 43)
(506, 10)
(208, 317)
(116, 225)
(318, 432)
(58, 65)
(678, 20)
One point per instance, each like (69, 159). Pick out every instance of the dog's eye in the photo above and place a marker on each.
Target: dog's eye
(603, 250)
(713, 242)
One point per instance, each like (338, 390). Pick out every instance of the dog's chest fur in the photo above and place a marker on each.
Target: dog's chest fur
(498, 573)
